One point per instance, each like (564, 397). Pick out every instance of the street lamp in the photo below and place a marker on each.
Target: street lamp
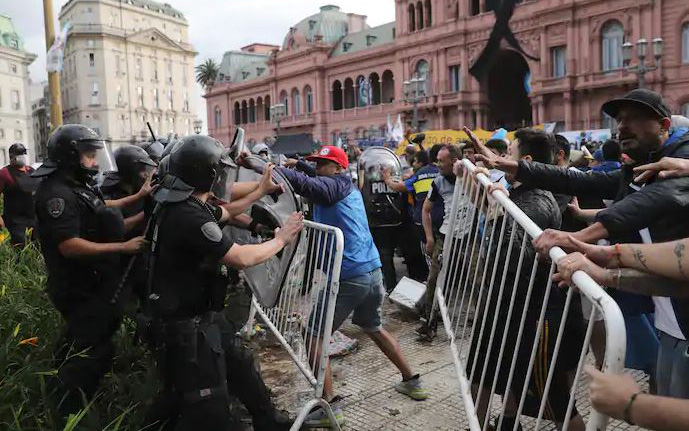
(415, 92)
(197, 126)
(642, 52)
(277, 114)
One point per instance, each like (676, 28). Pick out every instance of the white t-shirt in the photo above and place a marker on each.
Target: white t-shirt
(665, 318)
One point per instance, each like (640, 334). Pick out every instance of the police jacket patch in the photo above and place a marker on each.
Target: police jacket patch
(55, 207)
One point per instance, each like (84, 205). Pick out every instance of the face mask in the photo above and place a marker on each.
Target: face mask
(20, 160)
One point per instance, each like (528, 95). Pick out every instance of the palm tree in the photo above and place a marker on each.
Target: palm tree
(207, 73)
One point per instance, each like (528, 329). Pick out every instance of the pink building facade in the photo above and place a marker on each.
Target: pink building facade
(338, 75)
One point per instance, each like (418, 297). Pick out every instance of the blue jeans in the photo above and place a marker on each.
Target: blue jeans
(361, 295)
(672, 369)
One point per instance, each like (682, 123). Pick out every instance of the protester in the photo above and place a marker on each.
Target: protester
(541, 207)
(648, 269)
(337, 202)
(441, 192)
(608, 157)
(18, 189)
(655, 212)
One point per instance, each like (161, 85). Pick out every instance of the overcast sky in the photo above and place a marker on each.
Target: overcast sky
(215, 26)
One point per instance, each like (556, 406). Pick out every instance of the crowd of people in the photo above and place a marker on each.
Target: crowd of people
(152, 234)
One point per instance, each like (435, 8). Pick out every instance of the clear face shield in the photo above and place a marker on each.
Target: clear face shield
(224, 178)
(95, 159)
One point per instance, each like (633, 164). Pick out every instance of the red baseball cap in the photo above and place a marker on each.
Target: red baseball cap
(331, 153)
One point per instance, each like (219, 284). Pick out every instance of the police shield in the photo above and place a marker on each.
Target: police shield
(266, 279)
(383, 205)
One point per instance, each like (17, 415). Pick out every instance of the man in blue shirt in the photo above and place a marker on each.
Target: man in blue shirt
(337, 202)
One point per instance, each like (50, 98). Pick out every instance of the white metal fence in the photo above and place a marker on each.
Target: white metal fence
(305, 306)
(519, 343)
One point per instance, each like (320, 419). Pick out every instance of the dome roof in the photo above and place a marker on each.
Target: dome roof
(330, 23)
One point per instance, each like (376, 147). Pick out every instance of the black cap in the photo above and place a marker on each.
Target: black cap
(17, 149)
(641, 97)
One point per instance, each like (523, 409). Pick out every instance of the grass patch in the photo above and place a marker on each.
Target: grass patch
(29, 328)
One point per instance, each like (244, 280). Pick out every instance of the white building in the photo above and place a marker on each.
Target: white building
(15, 108)
(127, 62)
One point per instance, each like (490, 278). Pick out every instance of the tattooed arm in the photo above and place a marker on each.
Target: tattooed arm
(627, 279)
(669, 259)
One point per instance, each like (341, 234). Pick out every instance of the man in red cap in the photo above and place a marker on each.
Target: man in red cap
(337, 202)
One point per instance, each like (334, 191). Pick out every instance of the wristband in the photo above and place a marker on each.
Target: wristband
(618, 254)
(628, 409)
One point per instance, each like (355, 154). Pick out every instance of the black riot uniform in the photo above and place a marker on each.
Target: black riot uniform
(132, 170)
(199, 357)
(67, 207)
(18, 187)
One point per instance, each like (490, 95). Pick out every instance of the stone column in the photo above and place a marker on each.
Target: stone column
(568, 110)
(441, 118)
(541, 111)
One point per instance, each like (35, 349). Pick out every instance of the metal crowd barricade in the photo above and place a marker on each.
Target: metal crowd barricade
(306, 304)
(484, 301)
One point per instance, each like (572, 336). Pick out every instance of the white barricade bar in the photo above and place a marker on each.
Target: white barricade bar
(519, 343)
(306, 305)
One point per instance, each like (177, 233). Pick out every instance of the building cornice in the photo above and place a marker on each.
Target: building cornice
(22, 56)
(124, 5)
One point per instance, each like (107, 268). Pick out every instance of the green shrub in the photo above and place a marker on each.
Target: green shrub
(29, 329)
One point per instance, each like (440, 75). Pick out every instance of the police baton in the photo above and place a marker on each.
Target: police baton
(116, 296)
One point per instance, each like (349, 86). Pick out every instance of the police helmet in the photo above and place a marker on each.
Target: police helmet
(17, 150)
(66, 144)
(154, 150)
(198, 161)
(130, 159)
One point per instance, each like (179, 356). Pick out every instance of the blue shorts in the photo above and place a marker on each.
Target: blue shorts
(362, 295)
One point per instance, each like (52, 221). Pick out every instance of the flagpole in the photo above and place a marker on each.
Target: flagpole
(53, 77)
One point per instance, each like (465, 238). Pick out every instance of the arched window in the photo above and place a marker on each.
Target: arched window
(612, 38)
(419, 16)
(349, 96)
(337, 96)
(296, 101)
(237, 114)
(259, 109)
(374, 79)
(266, 108)
(685, 43)
(412, 18)
(252, 111)
(308, 96)
(245, 112)
(284, 99)
(363, 89)
(388, 87)
(217, 117)
(429, 14)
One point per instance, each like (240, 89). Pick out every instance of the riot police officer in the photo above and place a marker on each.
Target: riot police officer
(191, 340)
(155, 149)
(81, 242)
(132, 180)
(18, 188)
